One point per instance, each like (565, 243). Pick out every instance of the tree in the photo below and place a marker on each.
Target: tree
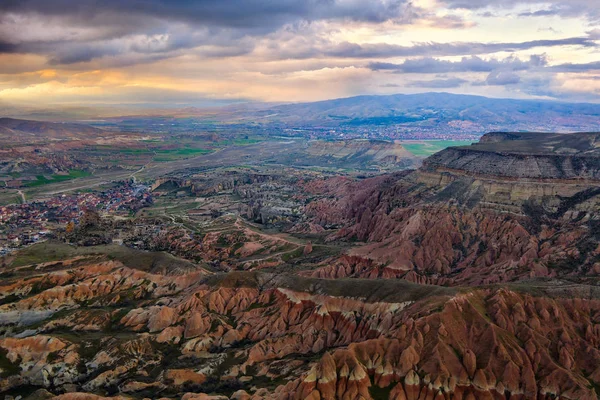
(70, 227)
(90, 218)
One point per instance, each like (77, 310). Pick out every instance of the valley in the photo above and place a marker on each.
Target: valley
(300, 200)
(295, 269)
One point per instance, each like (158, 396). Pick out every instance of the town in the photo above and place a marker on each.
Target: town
(31, 222)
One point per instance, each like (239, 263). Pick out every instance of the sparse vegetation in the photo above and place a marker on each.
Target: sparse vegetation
(56, 178)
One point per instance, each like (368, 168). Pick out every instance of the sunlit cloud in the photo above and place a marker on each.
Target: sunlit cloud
(123, 52)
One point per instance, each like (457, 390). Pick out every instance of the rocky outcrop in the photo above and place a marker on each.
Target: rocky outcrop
(442, 225)
(508, 171)
(469, 349)
(451, 245)
(209, 184)
(483, 163)
(246, 331)
(38, 361)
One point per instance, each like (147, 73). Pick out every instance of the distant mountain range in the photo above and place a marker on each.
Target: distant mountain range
(430, 111)
(427, 112)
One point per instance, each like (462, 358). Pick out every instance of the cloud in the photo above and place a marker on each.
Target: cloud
(383, 50)
(541, 13)
(561, 8)
(286, 49)
(466, 64)
(6, 47)
(502, 78)
(438, 83)
(70, 33)
(566, 89)
(549, 29)
(583, 67)
(243, 14)
(44, 26)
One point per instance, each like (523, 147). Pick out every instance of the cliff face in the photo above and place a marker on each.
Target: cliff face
(507, 171)
(483, 163)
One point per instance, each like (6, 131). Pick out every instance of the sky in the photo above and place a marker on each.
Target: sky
(199, 52)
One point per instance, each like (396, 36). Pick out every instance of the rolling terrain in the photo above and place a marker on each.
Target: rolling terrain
(439, 116)
(440, 108)
(462, 279)
(41, 159)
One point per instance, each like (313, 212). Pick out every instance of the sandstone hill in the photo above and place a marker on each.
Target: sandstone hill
(107, 329)
(449, 223)
(525, 156)
(508, 170)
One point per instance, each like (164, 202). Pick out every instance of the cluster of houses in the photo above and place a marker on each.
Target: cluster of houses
(23, 224)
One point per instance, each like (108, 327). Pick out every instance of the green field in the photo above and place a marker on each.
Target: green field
(429, 147)
(239, 142)
(173, 154)
(157, 153)
(44, 180)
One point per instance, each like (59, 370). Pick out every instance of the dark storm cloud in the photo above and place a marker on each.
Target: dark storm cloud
(146, 30)
(284, 36)
(260, 15)
(79, 53)
(142, 49)
(87, 29)
(7, 47)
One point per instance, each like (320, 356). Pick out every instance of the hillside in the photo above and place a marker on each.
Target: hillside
(27, 129)
(399, 116)
(431, 110)
(369, 149)
(491, 212)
